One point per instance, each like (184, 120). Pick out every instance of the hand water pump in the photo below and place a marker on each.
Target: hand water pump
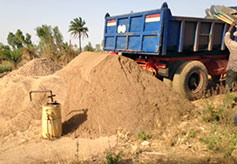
(51, 117)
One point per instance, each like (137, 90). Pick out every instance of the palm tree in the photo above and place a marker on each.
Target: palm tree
(78, 29)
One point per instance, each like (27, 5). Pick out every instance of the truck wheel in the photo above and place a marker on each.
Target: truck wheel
(191, 79)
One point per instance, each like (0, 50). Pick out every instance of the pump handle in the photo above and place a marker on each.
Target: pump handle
(50, 91)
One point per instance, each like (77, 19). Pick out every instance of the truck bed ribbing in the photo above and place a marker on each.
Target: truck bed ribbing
(181, 51)
(157, 32)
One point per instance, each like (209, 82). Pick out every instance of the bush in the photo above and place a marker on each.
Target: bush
(222, 137)
(223, 113)
(213, 141)
(5, 68)
(143, 135)
(112, 158)
(192, 134)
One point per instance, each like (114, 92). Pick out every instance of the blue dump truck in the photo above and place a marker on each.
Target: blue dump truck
(182, 51)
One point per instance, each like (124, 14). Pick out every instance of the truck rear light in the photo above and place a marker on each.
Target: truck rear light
(163, 66)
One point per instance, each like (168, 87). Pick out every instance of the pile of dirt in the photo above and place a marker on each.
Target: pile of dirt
(17, 113)
(116, 92)
(37, 67)
(99, 93)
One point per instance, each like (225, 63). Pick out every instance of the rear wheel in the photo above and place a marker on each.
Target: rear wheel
(191, 79)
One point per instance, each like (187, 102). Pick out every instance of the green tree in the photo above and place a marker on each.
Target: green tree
(51, 41)
(89, 47)
(13, 57)
(18, 40)
(69, 52)
(11, 40)
(28, 41)
(58, 38)
(51, 45)
(21, 43)
(30, 52)
(78, 29)
(3, 48)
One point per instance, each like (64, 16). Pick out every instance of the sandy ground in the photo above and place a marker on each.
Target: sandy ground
(63, 149)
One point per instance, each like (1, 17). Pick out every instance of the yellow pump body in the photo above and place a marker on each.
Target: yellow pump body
(51, 121)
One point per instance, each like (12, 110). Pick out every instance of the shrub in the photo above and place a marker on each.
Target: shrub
(213, 141)
(5, 68)
(192, 134)
(113, 158)
(211, 113)
(223, 113)
(143, 135)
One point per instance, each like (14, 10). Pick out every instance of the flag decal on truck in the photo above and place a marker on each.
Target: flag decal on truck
(111, 23)
(152, 18)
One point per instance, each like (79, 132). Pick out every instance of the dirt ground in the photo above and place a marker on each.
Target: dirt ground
(106, 101)
(61, 150)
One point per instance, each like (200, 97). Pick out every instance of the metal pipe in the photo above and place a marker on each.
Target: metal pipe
(50, 91)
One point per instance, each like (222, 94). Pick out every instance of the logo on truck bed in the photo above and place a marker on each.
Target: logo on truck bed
(152, 18)
(111, 23)
(121, 29)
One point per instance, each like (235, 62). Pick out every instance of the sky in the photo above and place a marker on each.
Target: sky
(27, 15)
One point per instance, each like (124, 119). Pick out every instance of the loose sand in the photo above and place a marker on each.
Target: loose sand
(99, 93)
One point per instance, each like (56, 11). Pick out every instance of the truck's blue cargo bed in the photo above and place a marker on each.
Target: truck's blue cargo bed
(157, 32)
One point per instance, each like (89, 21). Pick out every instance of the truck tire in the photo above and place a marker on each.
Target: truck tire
(191, 79)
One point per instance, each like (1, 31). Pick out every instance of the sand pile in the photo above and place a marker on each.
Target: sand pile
(98, 92)
(17, 113)
(117, 93)
(37, 67)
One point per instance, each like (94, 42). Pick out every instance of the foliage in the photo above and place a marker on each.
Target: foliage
(192, 134)
(223, 141)
(20, 47)
(220, 113)
(13, 56)
(18, 40)
(58, 37)
(143, 135)
(221, 117)
(69, 52)
(229, 100)
(3, 48)
(52, 46)
(112, 158)
(78, 29)
(28, 41)
(30, 52)
(51, 42)
(10, 39)
(212, 140)
(211, 113)
(89, 47)
(5, 68)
